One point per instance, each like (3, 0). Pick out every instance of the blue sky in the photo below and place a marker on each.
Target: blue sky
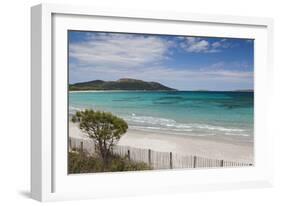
(181, 62)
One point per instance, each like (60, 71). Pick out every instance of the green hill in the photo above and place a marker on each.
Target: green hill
(121, 84)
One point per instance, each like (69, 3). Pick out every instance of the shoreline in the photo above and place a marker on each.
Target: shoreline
(181, 144)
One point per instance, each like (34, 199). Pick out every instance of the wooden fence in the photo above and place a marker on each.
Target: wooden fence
(156, 159)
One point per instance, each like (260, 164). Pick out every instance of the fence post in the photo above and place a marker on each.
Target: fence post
(171, 160)
(81, 147)
(221, 163)
(194, 161)
(69, 144)
(129, 158)
(149, 157)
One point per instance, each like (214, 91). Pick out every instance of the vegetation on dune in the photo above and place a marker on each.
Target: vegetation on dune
(105, 130)
(83, 163)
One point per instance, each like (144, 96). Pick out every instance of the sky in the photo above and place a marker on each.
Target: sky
(180, 62)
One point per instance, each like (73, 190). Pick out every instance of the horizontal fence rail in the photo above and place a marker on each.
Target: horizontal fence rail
(155, 159)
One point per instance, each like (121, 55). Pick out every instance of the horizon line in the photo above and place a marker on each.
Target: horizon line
(176, 90)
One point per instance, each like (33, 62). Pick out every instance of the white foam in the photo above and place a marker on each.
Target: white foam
(170, 125)
(210, 127)
(235, 134)
(150, 120)
(166, 125)
(71, 108)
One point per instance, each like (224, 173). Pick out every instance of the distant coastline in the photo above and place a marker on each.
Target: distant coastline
(136, 85)
(121, 84)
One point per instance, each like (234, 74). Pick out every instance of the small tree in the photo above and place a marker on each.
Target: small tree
(103, 127)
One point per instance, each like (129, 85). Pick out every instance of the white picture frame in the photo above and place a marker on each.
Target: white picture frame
(49, 179)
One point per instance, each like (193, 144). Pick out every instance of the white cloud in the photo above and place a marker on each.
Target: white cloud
(187, 74)
(200, 45)
(120, 50)
(216, 44)
(213, 78)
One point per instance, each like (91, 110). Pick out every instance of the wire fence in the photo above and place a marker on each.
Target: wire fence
(156, 159)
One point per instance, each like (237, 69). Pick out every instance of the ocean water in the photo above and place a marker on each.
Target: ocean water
(214, 115)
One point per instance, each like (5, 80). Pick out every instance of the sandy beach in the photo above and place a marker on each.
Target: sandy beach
(182, 144)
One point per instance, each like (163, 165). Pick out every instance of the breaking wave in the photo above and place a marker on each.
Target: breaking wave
(170, 125)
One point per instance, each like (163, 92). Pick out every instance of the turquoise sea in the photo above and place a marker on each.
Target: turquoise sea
(225, 115)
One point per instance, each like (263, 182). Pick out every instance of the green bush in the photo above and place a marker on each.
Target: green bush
(81, 163)
(104, 128)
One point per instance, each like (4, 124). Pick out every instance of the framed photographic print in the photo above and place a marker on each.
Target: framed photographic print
(127, 103)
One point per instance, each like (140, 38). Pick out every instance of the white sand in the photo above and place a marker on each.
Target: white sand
(75, 132)
(185, 145)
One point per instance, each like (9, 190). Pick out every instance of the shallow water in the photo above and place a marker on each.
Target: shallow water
(226, 115)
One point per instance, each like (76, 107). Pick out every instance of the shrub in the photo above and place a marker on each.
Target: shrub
(103, 127)
(81, 163)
